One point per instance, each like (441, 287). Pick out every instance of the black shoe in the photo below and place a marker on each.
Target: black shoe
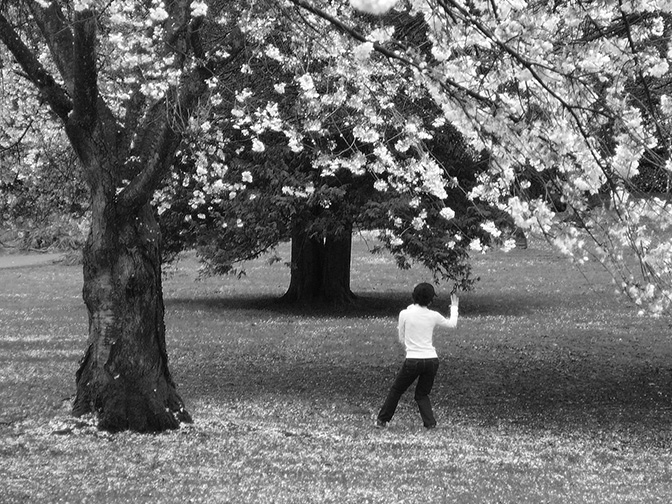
(380, 424)
(430, 427)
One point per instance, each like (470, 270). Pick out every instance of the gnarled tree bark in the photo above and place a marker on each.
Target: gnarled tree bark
(124, 376)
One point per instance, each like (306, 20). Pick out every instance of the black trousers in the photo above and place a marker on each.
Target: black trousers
(425, 372)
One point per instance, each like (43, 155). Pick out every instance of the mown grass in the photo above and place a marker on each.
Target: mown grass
(550, 390)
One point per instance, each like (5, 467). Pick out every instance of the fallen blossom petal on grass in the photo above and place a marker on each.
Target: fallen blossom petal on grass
(548, 391)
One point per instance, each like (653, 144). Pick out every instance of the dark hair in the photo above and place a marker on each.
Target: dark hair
(423, 294)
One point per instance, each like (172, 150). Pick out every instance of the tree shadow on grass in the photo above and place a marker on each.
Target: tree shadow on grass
(583, 394)
(590, 396)
(525, 384)
(376, 304)
(367, 305)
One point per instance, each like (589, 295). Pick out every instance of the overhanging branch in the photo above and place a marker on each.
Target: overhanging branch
(85, 91)
(393, 55)
(59, 38)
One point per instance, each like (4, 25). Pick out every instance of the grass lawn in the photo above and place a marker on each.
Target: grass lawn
(551, 390)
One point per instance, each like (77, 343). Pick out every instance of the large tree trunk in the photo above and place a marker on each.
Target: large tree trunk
(320, 269)
(305, 267)
(124, 375)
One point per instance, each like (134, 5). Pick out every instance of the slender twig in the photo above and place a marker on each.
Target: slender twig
(18, 140)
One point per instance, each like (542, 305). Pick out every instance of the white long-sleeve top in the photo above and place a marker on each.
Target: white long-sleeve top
(416, 329)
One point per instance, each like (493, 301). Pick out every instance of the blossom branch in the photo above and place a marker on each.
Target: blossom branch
(393, 55)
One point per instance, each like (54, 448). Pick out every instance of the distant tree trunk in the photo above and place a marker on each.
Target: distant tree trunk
(520, 237)
(320, 269)
(305, 267)
(336, 268)
(124, 375)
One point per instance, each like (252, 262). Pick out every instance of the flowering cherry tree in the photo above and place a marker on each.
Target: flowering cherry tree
(324, 135)
(268, 208)
(575, 93)
(572, 94)
(123, 78)
(568, 101)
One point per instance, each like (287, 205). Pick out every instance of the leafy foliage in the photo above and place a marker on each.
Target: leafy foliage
(43, 199)
(328, 137)
(570, 102)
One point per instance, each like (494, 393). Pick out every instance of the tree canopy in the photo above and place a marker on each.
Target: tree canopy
(575, 93)
(568, 99)
(329, 175)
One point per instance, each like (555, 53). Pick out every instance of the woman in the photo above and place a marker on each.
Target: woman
(416, 331)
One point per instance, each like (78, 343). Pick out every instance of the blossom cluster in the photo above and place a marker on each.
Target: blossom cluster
(566, 91)
(339, 106)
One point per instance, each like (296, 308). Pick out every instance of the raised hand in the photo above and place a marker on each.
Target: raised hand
(454, 301)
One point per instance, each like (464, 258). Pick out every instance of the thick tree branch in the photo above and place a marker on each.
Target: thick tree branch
(61, 42)
(85, 93)
(59, 38)
(49, 89)
(163, 128)
(163, 139)
(134, 109)
(164, 142)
